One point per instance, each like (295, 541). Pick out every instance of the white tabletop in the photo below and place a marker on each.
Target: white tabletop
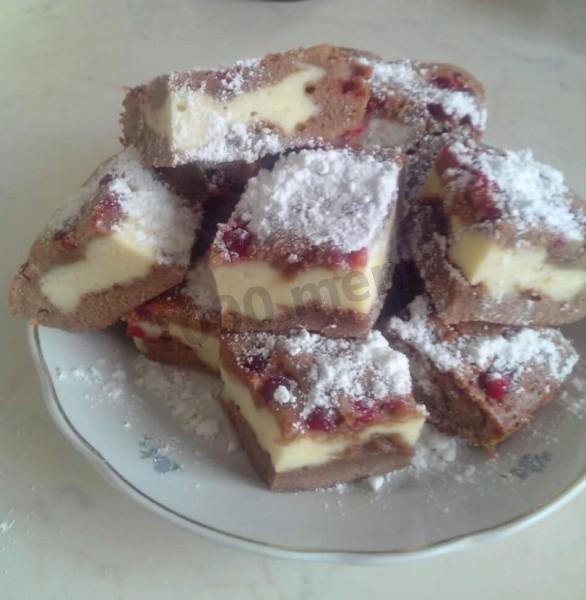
(64, 532)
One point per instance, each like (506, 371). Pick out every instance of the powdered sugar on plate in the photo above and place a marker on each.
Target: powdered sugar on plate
(529, 194)
(333, 198)
(185, 392)
(151, 214)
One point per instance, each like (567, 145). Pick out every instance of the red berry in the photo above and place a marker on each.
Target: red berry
(437, 111)
(358, 259)
(237, 240)
(255, 363)
(135, 331)
(495, 387)
(105, 214)
(322, 420)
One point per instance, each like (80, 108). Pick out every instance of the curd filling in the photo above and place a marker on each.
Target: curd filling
(205, 345)
(504, 270)
(112, 260)
(307, 450)
(259, 291)
(193, 119)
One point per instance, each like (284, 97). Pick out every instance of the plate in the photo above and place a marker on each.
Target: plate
(156, 433)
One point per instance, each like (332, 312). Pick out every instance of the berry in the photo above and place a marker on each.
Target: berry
(255, 363)
(135, 331)
(105, 214)
(237, 240)
(358, 259)
(322, 420)
(495, 387)
(437, 111)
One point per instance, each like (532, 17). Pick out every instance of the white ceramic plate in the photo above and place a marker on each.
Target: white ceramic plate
(116, 418)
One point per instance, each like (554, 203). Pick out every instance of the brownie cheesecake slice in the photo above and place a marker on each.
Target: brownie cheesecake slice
(480, 381)
(499, 237)
(181, 326)
(251, 109)
(310, 244)
(312, 411)
(123, 240)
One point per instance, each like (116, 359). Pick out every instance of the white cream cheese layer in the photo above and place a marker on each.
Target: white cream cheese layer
(205, 345)
(259, 291)
(306, 451)
(503, 270)
(110, 260)
(192, 119)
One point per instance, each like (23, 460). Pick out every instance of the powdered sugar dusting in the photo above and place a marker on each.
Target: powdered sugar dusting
(514, 352)
(200, 287)
(435, 452)
(404, 77)
(151, 213)
(333, 198)
(368, 369)
(530, 194)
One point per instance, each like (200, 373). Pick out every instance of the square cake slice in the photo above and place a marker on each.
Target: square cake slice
(480, 381)
(499, 237)
(253, 108)
(312, 411)
(310, 244)
(182, 326)
(124, 239)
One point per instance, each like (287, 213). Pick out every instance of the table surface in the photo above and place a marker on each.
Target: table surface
(64, 532)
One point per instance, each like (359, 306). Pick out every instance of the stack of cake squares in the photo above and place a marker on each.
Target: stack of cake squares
(324, 231)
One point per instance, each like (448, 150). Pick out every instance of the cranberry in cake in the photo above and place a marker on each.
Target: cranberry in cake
(310, 244)
(312, 411)
(480, 381)
(181, 326)
(500, 237)
(253, 108)
(124, 239)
